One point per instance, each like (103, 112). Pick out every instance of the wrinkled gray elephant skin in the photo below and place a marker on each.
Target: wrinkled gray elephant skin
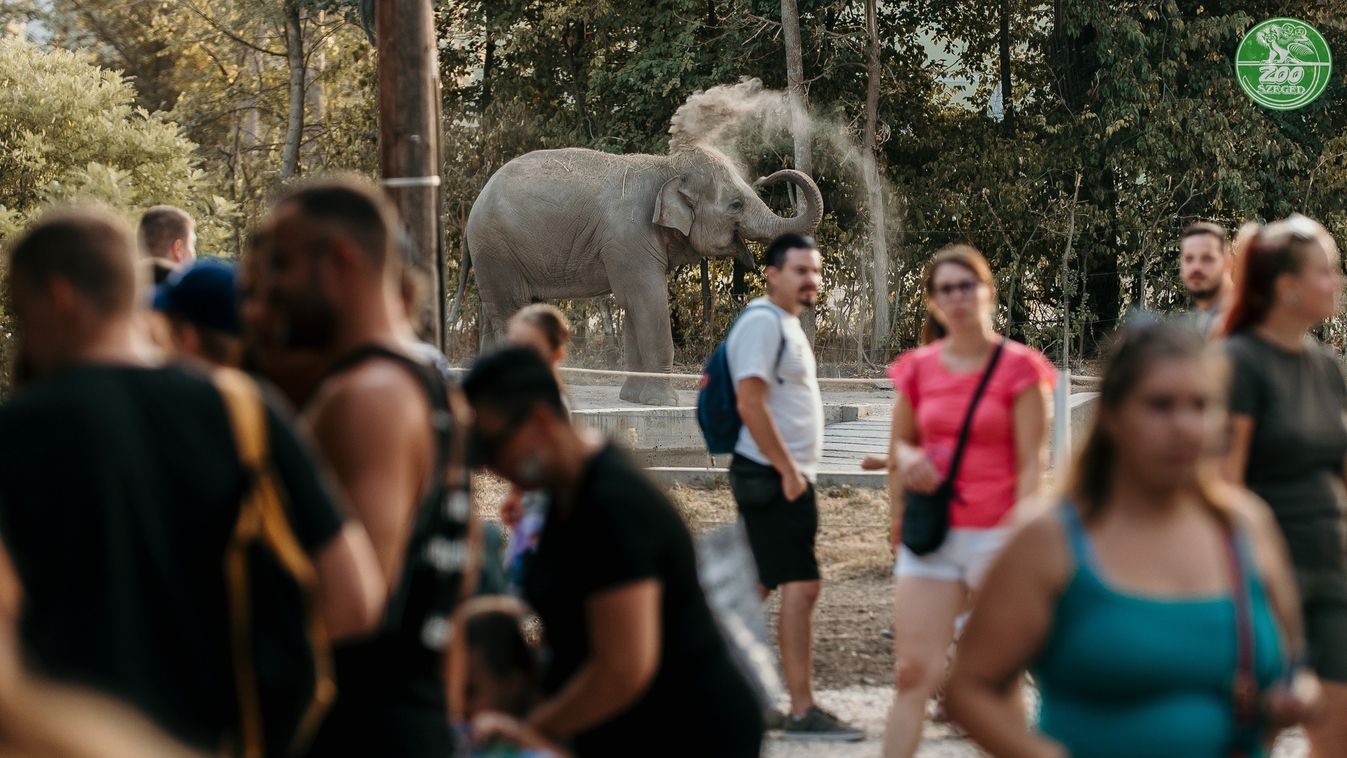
(576, 223)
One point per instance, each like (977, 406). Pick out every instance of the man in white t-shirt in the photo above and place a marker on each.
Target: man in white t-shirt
(776, 462)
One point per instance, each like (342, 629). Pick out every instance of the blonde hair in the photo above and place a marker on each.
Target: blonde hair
(547, 319)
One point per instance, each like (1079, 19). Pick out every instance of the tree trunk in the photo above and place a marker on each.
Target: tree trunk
(797, 96)
(575, 49)
(316, 92)
(798, 99)
(294, 59)
(1007, 101)
(878, 234)
(707, 308)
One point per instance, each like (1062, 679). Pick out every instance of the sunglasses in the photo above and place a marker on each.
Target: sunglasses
(1279, 233)
(964, 288)
(487, 446)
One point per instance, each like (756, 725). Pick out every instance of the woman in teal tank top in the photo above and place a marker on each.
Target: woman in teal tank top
(1122, 600)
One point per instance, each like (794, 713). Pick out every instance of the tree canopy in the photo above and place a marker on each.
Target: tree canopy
(988, 114)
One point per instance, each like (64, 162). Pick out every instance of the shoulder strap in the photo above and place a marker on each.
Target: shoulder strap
(781, 348)
(1245, 682)
(1075, 531)
(262, 518)
(967, 428)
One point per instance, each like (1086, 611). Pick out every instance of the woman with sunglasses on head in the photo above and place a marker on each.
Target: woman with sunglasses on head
(964, 364)
(546, 330)
(1288, 440)
(1154, 604)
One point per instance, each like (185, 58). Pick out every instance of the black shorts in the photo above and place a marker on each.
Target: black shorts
(1323, 598)
(780, 532)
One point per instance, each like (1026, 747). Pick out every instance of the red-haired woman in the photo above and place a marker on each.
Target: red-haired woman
(1288, 436)
(1001, 463)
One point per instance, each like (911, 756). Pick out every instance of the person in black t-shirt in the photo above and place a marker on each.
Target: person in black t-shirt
(120, 489)
(637, 666)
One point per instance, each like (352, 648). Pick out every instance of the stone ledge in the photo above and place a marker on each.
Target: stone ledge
(712, 477)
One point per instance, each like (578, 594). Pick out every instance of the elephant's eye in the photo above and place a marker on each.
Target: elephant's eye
(737, 205)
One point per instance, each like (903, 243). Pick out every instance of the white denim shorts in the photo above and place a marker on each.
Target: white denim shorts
(964, 557)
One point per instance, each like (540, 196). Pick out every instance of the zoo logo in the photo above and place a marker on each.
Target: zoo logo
(1283, 64)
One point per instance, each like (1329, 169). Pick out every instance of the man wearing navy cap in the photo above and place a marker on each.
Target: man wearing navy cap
(200, 303)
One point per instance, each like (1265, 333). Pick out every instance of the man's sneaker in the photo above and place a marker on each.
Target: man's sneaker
(818, 724)
(774, 720)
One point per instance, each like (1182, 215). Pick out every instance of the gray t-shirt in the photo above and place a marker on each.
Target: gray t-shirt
(1297, 401)
(794, 401)
(1210, 320)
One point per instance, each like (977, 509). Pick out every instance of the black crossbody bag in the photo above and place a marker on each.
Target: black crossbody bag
(926, 515)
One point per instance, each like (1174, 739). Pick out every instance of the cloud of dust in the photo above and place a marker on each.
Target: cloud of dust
(744, 119)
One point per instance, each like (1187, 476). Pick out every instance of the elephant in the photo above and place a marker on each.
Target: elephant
(576, 223)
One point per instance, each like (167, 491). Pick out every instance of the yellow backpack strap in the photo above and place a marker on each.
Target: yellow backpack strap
(262, 517)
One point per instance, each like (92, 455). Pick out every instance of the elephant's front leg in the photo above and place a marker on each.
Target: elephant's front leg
(648, 323)
(633, 387)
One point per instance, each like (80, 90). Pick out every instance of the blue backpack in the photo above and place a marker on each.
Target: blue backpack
(717, 404)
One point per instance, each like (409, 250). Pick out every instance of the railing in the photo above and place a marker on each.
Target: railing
(877, 382)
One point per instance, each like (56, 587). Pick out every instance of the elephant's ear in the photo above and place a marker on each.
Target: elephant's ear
(672, 208)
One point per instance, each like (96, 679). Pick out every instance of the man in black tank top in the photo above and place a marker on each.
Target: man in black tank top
(383, 420)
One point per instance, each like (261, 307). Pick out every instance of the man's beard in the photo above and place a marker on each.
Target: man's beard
(309, 321)
(807, 299)
(1209, 293)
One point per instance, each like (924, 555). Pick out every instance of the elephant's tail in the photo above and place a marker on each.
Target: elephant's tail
(456, 309)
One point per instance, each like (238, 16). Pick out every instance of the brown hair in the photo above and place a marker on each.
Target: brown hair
(88, 247)
(358, 207)
(161, 226)
(547, 319)
(966, 256)
(1206, 227)
(1135, 350)
(1265, 253)
(492, 626)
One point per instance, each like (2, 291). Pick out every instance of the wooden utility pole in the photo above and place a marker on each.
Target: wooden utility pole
(409, 139)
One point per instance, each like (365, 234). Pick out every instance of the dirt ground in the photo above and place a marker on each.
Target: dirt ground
(853, 553)
(857, 595)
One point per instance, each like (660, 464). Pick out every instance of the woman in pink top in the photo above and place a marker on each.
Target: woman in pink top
(1002, 463)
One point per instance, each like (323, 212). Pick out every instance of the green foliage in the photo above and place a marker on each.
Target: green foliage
(1136, 97)
(70, 131)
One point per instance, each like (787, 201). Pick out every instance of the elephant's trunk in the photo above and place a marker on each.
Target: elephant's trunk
(763, 225)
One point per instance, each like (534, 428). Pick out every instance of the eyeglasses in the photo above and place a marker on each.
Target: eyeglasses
(964, 288)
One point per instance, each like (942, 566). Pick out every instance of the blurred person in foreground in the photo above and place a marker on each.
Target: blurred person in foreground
(1155, 604)
(121, 489)
(1288, 441)
(394, 432)
(637, 664)
(201, 305)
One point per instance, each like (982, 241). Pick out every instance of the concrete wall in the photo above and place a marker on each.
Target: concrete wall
(675, 429)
